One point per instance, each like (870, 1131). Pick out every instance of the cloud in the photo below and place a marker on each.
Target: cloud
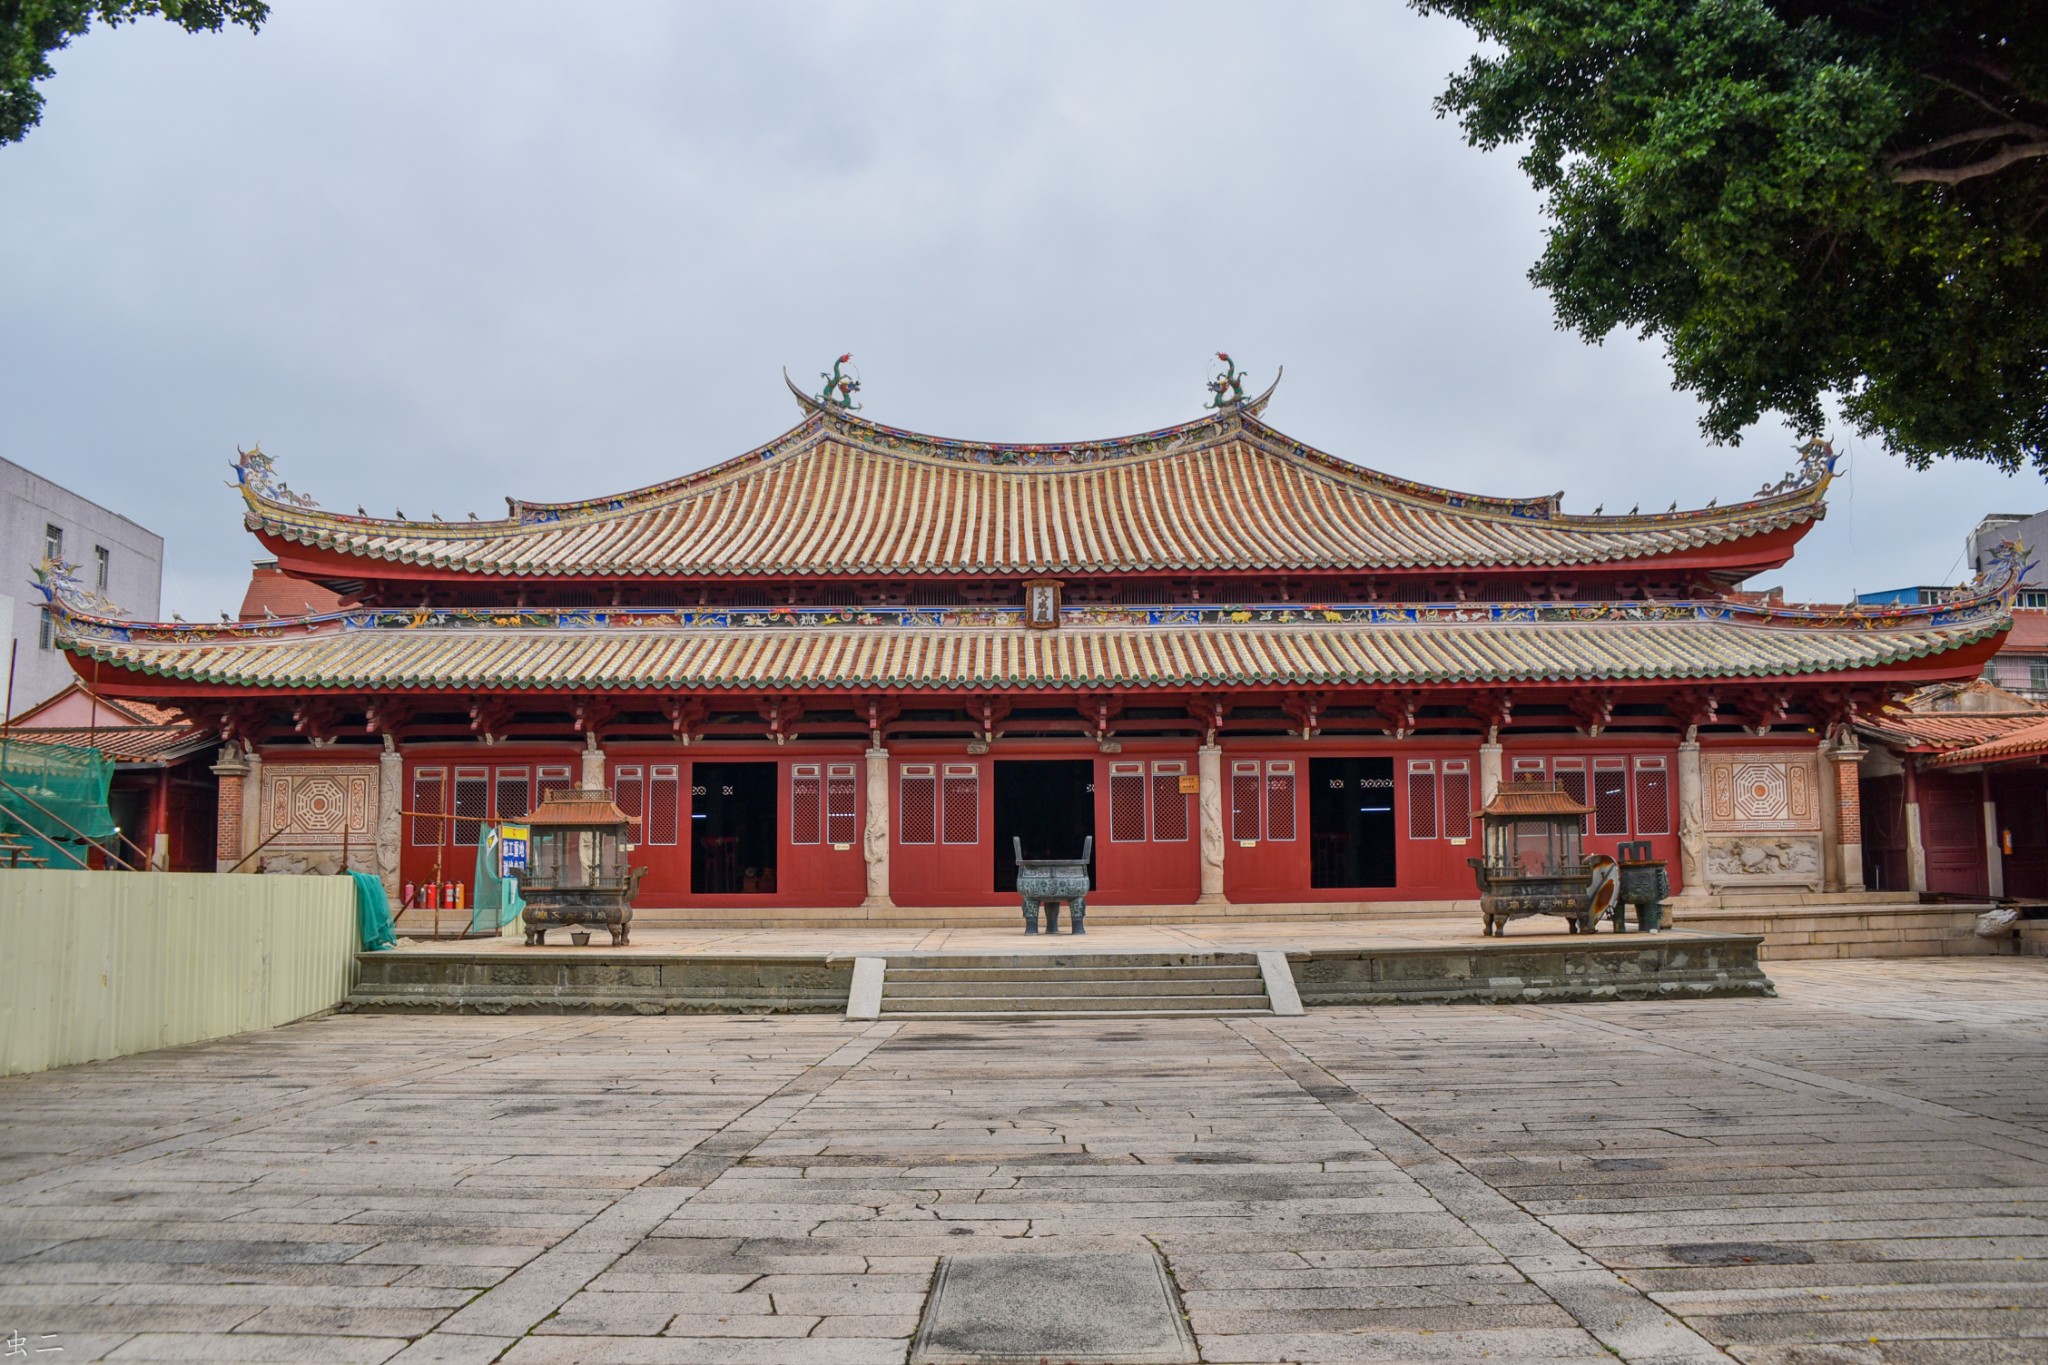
(434, 255)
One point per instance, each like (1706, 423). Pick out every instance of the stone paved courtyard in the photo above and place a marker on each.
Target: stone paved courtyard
(1856, 1172)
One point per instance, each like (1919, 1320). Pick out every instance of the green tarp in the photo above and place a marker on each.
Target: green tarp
(498, 901)
(45, 787)
(373, 914)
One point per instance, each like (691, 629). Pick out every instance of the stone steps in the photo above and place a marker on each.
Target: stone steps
(1888, 928)
(1073, 984)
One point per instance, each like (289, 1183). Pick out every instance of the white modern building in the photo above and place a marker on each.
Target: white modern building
(113, 555)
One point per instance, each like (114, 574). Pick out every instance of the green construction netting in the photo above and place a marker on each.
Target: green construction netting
(55, 797)
(373, 914)
(498, 901)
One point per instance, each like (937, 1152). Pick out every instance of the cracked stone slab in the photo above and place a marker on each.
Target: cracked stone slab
(1020, 1308)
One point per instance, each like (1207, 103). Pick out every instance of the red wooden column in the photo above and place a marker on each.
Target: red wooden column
(159, 835)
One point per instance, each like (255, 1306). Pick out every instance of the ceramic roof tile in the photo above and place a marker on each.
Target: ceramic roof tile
(837, 495)
(984, 649)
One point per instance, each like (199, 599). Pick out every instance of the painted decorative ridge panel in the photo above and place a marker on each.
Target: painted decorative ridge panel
(1133, 657)
(1963, 613)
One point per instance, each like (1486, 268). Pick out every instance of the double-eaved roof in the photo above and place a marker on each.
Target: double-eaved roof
(840, 496)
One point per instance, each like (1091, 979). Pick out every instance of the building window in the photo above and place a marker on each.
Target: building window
(664, 804)
(1457, 798)
(1244, 801)
(629, 790)
(1169, 803)
(2034, 597)
(1280, 800)
(806, 803)
(919, 821)
(514, 794)
(1261, 805)
(1653, 796)
(841, 791)
(2037, 674)
(46, 632)
(961, 792)
(53, 542)
(472, 804)
(1126, 803)
(429, 803)
(1421, 798)
(555, 779)
(1610, 796)
(103, 563)
(1571, 780)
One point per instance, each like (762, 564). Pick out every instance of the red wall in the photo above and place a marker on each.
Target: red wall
(806, 875)
(1145, 871)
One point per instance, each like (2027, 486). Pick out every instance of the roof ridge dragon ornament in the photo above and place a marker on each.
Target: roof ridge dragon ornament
(839, 387)
(1227, 389)
(256, 473)
(65, 591)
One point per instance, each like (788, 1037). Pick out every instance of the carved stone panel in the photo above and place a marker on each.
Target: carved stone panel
(1762, 791)
(1762, 820)
(311, 812)
(1764, 861)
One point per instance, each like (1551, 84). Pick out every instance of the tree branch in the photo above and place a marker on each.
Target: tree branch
(1942, 144)
(1990, 165)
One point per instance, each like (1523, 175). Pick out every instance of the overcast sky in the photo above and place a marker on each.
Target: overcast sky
(433, 253)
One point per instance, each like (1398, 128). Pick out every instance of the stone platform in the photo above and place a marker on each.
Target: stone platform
(672, 971)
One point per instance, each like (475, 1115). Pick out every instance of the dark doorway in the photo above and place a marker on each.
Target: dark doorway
(1050, 805)
(1351, 821)
(732, 829)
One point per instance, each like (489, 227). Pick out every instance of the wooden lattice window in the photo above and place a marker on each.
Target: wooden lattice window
(1280, 799)
(1244, 800)
(1422, 798)
(1457, 798)
(472, 804)
(960, 803)
(429, 804)
(1528, 767)
(1126, 802)
(1571, 780)
(629, 789)
(806, 803)
(918, 821)
(1169, 802)
(664, 804)
(514, 797)
(1610, 796)
(841, 790)
(1653, 796)
(552, 778)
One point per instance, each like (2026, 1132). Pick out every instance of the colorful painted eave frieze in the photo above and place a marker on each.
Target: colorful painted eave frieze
(1233, 657)
(841, 460)
(1990, 608)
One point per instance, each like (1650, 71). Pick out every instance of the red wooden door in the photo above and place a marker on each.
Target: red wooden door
(1952, 832)
(2022, 799)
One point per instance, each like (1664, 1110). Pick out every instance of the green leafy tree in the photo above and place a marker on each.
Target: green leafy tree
(1799, 199)
(30, 30)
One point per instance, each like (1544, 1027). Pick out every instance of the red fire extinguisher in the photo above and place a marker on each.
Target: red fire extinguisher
(405, 896)
(431, 896)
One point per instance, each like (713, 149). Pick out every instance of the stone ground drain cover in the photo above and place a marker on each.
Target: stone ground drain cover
(1023, 1308)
